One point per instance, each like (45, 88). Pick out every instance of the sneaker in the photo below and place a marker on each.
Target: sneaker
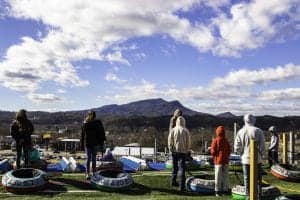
(88, 177)
(218, 194)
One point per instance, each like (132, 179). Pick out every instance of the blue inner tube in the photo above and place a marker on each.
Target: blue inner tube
(200, 185)
(111, 180)
(24, 180)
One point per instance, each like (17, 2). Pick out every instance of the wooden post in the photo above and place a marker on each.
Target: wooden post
(155, 150)
(284, 148)
(292, 148)
(234, 130)
(140, 152)
(253, 170)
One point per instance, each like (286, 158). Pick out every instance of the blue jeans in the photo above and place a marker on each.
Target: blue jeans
(179, 164)
(246, 172)
(25, 148)
(91, 153)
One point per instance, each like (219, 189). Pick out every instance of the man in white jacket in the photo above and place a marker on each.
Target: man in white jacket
(273, 148)
(179, 143)
(242, 147)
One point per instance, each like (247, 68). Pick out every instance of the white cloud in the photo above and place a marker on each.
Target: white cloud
(114, 77)
(251, 25)
(43, 98)
(87, 29)
(235, 92)
(282, 94)
(61, 91)
(117, 57)
(245, 77)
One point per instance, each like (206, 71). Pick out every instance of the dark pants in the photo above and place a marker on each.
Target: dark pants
(179, 164)
(272, 157)
(246, 171)
(91, 153)
(25, 148)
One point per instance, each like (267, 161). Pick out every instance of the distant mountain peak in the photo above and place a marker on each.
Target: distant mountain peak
(147, 107)
(226, 115)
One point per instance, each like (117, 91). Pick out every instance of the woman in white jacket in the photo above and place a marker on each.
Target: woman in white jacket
(179, 144)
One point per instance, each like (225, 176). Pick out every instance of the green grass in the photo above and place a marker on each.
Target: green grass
(148, 185)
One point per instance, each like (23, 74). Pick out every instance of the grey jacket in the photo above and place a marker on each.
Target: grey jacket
(242, 140)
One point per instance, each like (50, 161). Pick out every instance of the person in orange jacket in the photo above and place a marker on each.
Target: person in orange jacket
(220, 150)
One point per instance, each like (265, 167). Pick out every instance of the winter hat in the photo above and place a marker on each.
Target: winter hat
(249, 119)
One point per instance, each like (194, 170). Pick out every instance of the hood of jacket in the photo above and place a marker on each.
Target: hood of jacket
(180, 122)
(177, 113)
(249, 119)
(220, 132)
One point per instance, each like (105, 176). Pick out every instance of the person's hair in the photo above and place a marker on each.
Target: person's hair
(91, 115)
(21, 115)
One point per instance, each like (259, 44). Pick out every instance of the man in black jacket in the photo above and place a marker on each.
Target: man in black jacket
(92, 138)
(21, 130)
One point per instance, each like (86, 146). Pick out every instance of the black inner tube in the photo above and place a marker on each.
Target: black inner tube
(289, 167)
(111, 174)
(25, 173)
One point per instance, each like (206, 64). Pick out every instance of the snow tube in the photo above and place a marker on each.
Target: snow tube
(81, 167)
(111, 180)
(169, 164)
(5, 166)
(34, 155)
(64, 164)
(72, 164)
(24, 180)
(54, 169)
(157, 166)
(286, 172)
(109, 165)
(200, 185)
(134, 163)
(289, 197)
(268, 192)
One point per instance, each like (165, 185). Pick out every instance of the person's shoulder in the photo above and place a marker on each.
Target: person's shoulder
(241, 131)
(98, 121)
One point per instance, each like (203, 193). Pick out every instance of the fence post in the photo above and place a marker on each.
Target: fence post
(253, 170)
(284, 148)
(292, 148)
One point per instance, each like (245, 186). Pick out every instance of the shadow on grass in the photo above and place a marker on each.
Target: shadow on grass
(43, 192)
(82, 185)
(135, 190)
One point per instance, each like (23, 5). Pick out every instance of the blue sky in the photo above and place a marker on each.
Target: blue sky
(213, 56)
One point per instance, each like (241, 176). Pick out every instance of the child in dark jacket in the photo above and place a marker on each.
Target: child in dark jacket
(220, 150)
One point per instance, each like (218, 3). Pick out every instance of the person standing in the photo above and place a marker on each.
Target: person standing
(179, 143)
(21, 130)
(92, 138)
(242, 147)
(273, 148)
(220, 150)
(173, 119)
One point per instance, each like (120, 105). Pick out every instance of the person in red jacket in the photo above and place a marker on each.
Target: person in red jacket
(220, 150)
